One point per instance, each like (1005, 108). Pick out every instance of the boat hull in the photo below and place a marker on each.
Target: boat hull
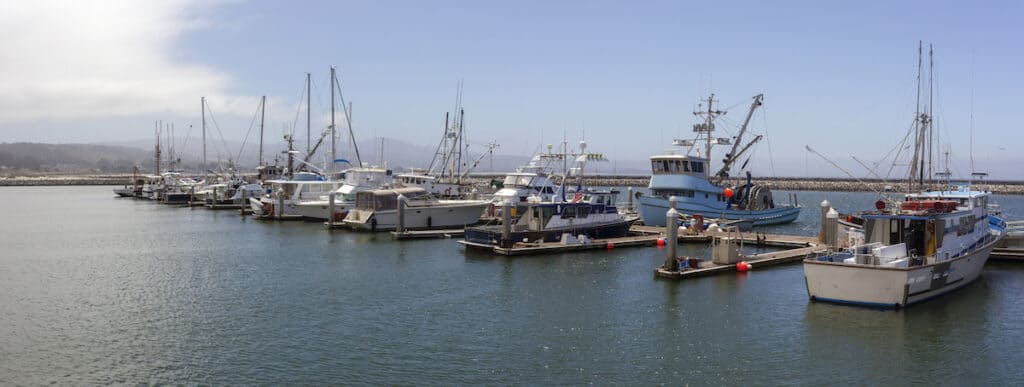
(321, 209)
(891, 287)
(653, 209)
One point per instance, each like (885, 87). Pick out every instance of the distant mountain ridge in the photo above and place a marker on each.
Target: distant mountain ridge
(123, 156)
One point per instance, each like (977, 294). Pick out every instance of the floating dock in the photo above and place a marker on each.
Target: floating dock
(529, 248)
(756, 260)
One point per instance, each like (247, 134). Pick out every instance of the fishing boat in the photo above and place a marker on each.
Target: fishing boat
(356, 179)
(568, 213)
(282, 196)
(927, 245)
(930, 243)
(699, 191)
(378, 210)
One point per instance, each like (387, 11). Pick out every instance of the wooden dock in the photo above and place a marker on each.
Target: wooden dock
(758, 239)
(756, 261)
(521, 248)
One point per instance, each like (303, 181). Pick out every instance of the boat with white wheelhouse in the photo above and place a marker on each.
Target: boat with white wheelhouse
(589, 213)
(356, 179)
(378, 210)
(699, 191)
(927, 245)
(281, 196)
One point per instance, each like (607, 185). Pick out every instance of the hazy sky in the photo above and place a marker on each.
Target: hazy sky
(838, 76)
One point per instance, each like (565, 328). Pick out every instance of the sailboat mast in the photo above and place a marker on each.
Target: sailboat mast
(707, 147)
(202, 103)
(263, 113)
(931, 131)
(309, 111)
(334, 150)
(157, 150)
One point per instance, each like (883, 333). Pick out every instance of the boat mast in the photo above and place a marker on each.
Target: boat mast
(706, 128)
(348, 119)
(202, 103)
(309, 110)
(157, 150)
(931, 131)
(263, 113)
(334, 154)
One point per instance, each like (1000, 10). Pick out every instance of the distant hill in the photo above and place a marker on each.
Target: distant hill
(70, 158)
(123, 156)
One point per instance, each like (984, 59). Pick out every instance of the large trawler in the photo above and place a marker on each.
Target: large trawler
(698, 191)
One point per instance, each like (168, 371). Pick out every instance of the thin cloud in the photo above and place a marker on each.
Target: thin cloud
(64, 60)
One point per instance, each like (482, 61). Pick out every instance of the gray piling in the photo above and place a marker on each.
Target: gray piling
(401, 214)
(825, 206)
(280, 202)
(506, 224)
(330, 209)
(671, 235)
(629, 200)
(832, 228)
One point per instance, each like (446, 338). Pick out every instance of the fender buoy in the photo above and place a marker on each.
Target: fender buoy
(743, 266)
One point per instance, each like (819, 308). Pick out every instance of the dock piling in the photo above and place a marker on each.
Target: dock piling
(825, 206)
(506, 224)
(671, 234)
(400, 227)
(330, 210)
(280, 204)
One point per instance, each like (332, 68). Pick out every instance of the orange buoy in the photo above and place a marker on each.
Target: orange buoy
(661, 242)
(742, 266)
(610, 245)
(727, 193)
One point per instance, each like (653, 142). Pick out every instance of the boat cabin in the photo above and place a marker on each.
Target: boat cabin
(385, 199)
(677, 164)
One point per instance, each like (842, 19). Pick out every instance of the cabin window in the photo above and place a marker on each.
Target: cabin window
(697, 166)
(548, 190)
(686, 166)
(568, 212)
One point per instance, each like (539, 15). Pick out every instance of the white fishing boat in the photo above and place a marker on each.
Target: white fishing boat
(930, 243)
(282, 196)
(579, 213)
(355, 180)
(378, 210)
(927, 245)
(699, 191)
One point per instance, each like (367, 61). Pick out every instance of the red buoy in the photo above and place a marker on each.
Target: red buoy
(742, 266)
(727, 193)
(610, 245)
(661, 242)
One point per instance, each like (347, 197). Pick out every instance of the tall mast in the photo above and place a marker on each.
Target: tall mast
(157, 150)
(917, 125)
(202, 103)
(931, 131)
(707, 127)
(348, 117)
(309, 110)
(263, 113)
(334, 150)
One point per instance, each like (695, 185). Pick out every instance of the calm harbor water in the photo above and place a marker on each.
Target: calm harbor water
(95, 289)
